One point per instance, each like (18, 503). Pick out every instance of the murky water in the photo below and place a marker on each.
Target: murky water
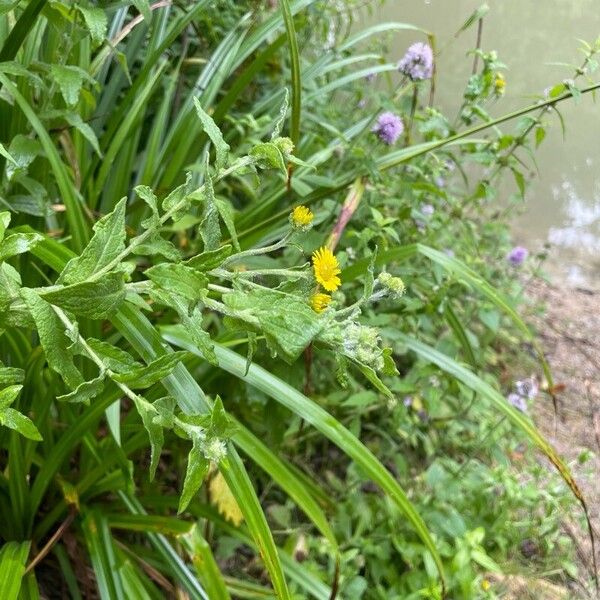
(563, 202)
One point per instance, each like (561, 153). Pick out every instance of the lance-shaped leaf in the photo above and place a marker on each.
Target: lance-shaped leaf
(4, 221)
(211, 259)
(104, 247)
(150, 418)
(11, 375)
(179, 279)
(13, 558)
(13, 419)
(95, 300)
(114, 358)
(52, 337)
(209, 229)
(215, 135)
(197, 468)
(146, 376)
(85, 391)
(226, 212)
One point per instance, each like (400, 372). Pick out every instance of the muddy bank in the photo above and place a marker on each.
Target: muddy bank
(569, 328)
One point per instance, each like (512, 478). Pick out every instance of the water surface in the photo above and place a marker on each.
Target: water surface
(563, 201)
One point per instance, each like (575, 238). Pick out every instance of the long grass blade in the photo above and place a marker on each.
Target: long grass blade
(295, 71)
(13, 556)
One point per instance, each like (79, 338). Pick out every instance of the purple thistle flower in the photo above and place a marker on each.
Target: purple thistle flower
(389, 127)
(518, 402)
(417, 63)
(517, 256)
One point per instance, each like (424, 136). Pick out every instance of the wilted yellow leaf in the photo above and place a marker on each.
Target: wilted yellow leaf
(222, 498)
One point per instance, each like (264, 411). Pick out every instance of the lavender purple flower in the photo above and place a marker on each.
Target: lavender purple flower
(389, 127)
(517, 256)
(518, 402)
(427, 209)
(525, 389)
(417, 63)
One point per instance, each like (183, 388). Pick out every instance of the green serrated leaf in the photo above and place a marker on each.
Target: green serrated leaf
(23, 151)
(85, 391)
(52, 337)
(144, 377)
(179, 279)
(69, 79)
(96, 22)
(197, 468)
(18, 243)
(215, 135)
(104, 247)
(95, 300)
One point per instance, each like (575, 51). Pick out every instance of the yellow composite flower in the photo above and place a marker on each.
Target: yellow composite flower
(326, 268)
(499, 84)
(320, 302)
(302, 216)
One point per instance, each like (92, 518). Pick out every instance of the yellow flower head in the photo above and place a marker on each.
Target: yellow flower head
(327, 269)
(302, 217)
(320, 302)
(499, 84)
(485, 585)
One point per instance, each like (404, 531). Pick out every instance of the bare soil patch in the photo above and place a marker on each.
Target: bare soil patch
(569, 327)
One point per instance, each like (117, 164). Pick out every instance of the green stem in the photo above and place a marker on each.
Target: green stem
(140, 239)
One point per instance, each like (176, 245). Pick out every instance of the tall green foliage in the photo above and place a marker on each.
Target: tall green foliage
(148, 233)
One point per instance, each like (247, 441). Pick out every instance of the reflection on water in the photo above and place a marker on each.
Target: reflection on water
(563, 202)
(578, 236)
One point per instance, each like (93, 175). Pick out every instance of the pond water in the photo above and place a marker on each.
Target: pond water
(563, 200)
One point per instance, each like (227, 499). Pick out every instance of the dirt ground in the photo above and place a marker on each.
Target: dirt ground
(570, 332)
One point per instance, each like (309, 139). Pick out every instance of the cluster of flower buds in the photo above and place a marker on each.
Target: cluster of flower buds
(215, 450)
(362, 344)
(386, 285)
